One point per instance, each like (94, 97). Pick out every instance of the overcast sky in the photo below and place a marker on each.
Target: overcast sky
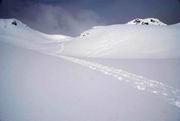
(74, 16)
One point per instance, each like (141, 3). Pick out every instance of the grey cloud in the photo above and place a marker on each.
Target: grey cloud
(57, 20)
(71, 17)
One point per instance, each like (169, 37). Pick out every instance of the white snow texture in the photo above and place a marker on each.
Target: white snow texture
(59, 78)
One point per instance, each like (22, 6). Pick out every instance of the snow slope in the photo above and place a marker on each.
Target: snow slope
(126, 41)
(114, 41)
(15, 32)
(39, 87)
(37, 83)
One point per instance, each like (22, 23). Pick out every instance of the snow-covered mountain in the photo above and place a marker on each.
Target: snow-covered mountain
(126, 41)
(10, 23)
(147, 21)
(14, 31)
(113, 41)
(41, 81)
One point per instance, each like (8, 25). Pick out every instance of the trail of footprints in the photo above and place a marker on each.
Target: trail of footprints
(171, 94)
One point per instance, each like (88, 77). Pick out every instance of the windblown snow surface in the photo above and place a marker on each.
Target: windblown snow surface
(108, 73)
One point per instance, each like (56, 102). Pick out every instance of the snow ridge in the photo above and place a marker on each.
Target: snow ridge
(147, 21)
(12, 23)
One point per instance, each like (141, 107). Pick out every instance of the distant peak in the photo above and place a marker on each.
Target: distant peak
(146, 21)
(12, 23)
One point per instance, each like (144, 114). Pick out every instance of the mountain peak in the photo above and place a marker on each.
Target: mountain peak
(8, 23)
(146, 21)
